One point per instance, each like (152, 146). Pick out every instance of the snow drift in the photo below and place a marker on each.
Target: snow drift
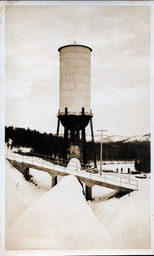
(38, 217)
(128, 218)
(60, 219)
(19, 194)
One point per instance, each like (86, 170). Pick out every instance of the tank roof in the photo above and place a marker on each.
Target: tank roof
(74, 45)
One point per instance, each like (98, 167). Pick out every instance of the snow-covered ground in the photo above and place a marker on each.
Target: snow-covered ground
(38, 217)
(118, 166)
(19, 193)
(21, 149)
(127, 218)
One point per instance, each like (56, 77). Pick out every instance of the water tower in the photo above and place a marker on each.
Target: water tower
(75, 99)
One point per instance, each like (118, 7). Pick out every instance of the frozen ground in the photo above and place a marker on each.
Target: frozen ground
(38, 217)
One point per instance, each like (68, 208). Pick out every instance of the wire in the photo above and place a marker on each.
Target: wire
(83, 71)
(28, 73)
(36, 77)
(48, 82)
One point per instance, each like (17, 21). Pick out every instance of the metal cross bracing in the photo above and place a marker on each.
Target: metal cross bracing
(44, 163)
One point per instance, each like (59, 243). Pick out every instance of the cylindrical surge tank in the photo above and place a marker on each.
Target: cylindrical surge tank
(75, 78)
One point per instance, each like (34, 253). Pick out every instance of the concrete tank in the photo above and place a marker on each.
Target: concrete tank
(75, 79)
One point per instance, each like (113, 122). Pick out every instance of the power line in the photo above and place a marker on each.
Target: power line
(38, 49)
(48, 82)
(36, 77)
(30, 28)
(71, 90)
(30, 74)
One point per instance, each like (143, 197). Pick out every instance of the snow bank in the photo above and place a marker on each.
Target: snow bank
(60, 219)
(42, 179)
(22, 149)
(101, 194)
(19, 194)
(128, 218)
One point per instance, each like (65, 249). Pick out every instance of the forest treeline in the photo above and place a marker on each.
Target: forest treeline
(47, 144)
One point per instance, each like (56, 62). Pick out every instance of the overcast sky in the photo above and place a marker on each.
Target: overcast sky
(120, 64)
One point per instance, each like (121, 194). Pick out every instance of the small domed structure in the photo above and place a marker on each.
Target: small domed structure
(74, 164)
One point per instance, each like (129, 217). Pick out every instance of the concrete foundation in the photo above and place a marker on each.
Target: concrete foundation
(54, 181)
(88, 192)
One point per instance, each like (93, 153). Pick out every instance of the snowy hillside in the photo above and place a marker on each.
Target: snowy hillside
(38, 217)
(113, 138)
(116, 138)
(145, 137)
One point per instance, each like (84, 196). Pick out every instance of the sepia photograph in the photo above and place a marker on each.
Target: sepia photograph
(76, 130)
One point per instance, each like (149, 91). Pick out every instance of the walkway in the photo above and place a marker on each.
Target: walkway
(115, 181)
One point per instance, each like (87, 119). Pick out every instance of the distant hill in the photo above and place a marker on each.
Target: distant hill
(117, 138)
(145, 137)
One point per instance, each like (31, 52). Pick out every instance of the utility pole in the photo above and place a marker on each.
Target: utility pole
(101, 149)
